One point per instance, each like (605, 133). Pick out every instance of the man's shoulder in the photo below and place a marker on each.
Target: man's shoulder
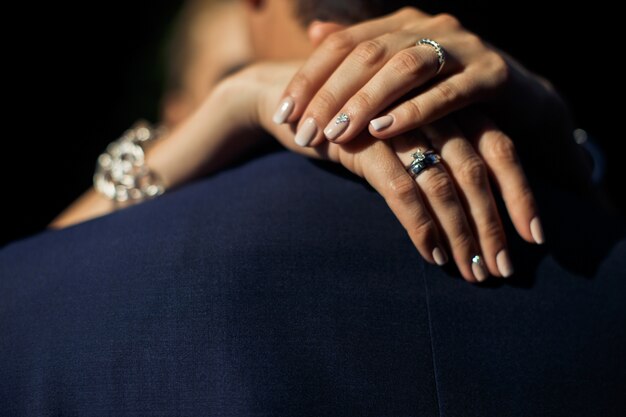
(280, 201)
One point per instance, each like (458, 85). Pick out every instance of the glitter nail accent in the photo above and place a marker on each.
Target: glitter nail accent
(342, 118)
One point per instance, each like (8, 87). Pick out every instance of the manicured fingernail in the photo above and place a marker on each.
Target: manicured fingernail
(505, 266)
(382, 122)
(337, 126)
(440, 256)
(307, 132)
(479, 269)
(284, 111)
(536, 230)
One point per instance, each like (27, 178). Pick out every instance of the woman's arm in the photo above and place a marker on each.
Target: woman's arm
(430, 207)
(199, 146)
(378, 75)
(223, 125)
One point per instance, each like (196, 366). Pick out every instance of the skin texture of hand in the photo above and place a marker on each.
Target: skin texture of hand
(431, 207)
(230, 118)
(364, 69)
(367, 71)
(447, 208)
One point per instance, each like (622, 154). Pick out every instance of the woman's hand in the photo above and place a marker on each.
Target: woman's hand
(362, 70)
(431, 208)
(374, 73)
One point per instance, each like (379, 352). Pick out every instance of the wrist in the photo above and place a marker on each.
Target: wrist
(210, 138)
(237, 98)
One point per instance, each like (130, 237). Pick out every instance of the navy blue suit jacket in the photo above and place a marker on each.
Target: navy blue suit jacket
(284, 287)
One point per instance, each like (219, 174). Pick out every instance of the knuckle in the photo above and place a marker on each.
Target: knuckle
(412, 111)
(464, 239)
(402, 188)
(447, 92)
(501, 148)
(472, 172)
(341, 41)
(325, 99)
(406, 63)
(370, 52)
(299, 85)
(408, 11)
(500, 70)
(447, 21)
(523, 197)
(423, 231)
(440, 187)
(492, 232)
(473, 41)
(362, 101)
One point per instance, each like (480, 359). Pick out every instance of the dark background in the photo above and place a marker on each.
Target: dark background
(78, 76)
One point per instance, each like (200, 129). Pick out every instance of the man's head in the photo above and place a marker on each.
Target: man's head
(209, 39)
(212, 37)
(279, 27)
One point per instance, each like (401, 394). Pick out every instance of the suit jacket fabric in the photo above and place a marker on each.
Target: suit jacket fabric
(284, 287)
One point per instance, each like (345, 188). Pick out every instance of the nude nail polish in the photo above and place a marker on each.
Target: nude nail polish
(307, 132)
(503, 261)
(537, 231)
(284, 111)
(440, 257)
(382, 122)
(337, 126)
(478, 269)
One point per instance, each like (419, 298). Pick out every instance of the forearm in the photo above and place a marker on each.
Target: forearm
(201, 145)
(88, 206)
(206, 142)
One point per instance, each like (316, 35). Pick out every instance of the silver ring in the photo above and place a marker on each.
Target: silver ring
(421, 161)
(441, 53)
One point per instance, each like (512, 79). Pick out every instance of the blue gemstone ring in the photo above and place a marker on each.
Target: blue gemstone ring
(421, 161)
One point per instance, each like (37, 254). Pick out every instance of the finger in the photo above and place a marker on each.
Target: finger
(327, 57)
(406, 70)
(440, 195)
(318, 31)
(439, 100)
(498, 152)
(470, 175)
(380, 166)
(416, 64)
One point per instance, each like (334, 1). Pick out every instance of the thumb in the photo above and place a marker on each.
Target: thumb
(318, 31)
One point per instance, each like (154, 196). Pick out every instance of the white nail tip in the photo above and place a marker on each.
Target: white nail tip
(284, 111)
(439, 257)
(503, 261)
(382, 122)
(537, 231)
(480, 273)
(306, 133)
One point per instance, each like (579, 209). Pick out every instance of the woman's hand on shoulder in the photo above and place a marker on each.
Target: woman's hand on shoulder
(377, 75)
(447, 209)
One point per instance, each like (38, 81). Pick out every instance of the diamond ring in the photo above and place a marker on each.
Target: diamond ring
(421, 161)
(441, 54)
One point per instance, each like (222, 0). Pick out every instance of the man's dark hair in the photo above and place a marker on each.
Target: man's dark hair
(351, 11)
(476, 15)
